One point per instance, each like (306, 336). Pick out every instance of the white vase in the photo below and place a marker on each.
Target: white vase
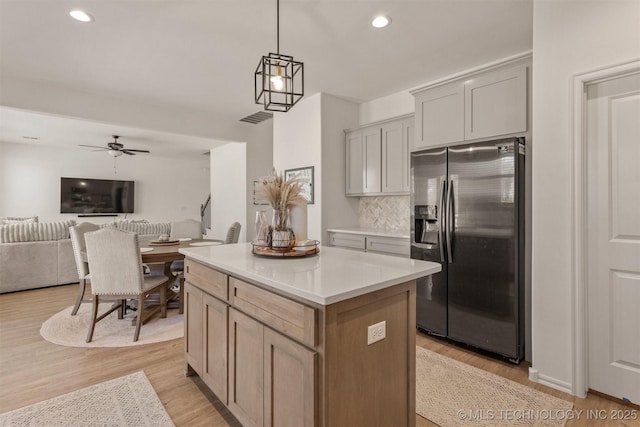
(298, 221)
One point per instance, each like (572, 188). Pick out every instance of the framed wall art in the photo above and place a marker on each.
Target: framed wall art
(304, 173)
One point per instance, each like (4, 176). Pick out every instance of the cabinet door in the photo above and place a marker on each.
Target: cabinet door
(496, 103)
(393, 158)
(246, 379)
(289, 379)
(407, 146)
(346, 240)
(354, 163)
(214, 358)
(439, 115)
(388, 245)
(372, 162)
(193, 327)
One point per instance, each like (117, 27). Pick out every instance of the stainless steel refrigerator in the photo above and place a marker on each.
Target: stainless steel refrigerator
(467, 213)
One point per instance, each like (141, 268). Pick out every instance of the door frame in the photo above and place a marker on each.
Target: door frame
(579, 239)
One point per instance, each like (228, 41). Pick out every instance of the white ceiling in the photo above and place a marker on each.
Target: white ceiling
(201, 54)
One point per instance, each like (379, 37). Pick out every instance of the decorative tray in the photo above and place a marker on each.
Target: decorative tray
(297, 251)
(164, 242)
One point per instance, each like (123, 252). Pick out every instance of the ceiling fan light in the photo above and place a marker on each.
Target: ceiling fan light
(114, 153)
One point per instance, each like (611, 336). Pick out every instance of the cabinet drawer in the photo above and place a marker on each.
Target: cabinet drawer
(388, 245)
(209, 280)
(284, 315)
(348, 241)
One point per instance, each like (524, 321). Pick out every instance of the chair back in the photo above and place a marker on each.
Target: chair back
(115, 262)
(78, 244)
(233, 234)
(187, 228)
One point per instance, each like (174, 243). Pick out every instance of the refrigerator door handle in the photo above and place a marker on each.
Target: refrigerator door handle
(449, 221)
(441, 222)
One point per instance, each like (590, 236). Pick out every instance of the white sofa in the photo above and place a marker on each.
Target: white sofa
(37, 255)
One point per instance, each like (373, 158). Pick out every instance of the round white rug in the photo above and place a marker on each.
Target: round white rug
(64, 329)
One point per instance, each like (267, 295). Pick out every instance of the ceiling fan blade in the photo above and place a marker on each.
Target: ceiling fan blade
(139, 151)
(92, 146)
(127, 152)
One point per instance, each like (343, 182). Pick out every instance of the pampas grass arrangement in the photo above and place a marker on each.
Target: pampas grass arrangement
(281, 194)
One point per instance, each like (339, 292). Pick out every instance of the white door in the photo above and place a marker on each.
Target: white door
(613, 241)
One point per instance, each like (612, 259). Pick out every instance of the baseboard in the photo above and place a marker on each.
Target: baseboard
(555, 383)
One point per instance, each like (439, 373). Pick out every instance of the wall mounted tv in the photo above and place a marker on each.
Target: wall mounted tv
(99, 196)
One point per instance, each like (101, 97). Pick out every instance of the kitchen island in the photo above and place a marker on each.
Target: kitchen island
(324, 340)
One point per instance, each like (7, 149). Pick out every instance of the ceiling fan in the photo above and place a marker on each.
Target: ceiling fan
(115, 148)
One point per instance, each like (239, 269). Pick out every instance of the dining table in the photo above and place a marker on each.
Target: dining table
(153, 251)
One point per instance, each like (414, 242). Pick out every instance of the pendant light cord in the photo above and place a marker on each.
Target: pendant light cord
(278, 26)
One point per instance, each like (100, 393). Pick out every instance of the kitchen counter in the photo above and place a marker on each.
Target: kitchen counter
(365, 231)
(332, 276)
(293, 340)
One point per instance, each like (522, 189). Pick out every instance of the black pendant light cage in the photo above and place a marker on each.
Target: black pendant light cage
(284, 71)
(292, 74)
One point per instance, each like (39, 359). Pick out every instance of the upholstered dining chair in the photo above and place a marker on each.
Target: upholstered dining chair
(233, 234)
(188, 228)
(77, 243)
(116, 274)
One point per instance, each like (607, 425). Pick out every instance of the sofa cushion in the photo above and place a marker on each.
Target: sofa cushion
(35, 232)
(147, 228)
(28, 265)
(17, 220)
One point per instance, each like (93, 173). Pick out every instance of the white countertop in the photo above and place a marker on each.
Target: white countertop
(333, 275)
(371, 232)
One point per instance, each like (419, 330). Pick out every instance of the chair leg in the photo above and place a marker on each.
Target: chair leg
(121, 310)
(163, 300)
(140, 317)
(80, 296)
(181, 296)
(94, 316)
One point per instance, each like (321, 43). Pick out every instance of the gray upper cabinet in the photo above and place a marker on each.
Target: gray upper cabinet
(378, 159)
(355, 165)
(439, 115)
(496, 104)
(489, 104)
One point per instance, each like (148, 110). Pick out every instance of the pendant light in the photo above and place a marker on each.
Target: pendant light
(279, 80)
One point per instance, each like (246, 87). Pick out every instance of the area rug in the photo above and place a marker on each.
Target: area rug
(64, 329)
(125, 401)
(452, 393)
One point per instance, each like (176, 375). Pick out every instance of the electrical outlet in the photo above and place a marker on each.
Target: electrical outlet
(376, 332)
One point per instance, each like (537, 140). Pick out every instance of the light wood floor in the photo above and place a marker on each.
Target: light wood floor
(32, 369)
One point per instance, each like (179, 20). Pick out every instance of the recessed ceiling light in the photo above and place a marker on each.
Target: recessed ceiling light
(380, 21)
(81, 15)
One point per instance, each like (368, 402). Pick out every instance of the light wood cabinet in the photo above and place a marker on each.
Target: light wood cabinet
(296, 363)
(490, 104)
(246, 379)
(382, 166)
(439, 115)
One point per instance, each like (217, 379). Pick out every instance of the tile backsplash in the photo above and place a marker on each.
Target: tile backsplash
(385, 212)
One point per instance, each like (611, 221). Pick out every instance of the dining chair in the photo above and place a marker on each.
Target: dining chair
(233, 234)
(77, 233)
(188, 228)
(116, 274)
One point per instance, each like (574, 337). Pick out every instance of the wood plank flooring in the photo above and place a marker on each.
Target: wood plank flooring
(32, 369)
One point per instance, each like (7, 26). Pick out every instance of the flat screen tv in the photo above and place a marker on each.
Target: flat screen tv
(99, 196)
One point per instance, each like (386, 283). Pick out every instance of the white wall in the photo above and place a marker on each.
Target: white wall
(259, 164)
(228, 189)
(394, 105)
(337, 209)
(297, 143)
(569, 37)
(165, 189)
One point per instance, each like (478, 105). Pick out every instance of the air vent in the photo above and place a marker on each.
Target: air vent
(258, 117)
